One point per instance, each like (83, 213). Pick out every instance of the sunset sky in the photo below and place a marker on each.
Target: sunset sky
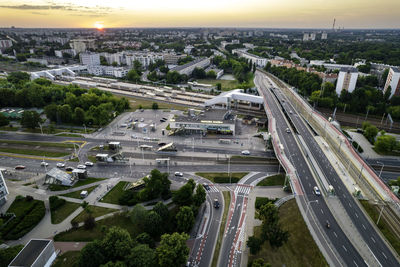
(201, 13)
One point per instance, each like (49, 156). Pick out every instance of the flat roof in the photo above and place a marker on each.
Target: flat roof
(30, 252)
(349, 69)
(214, 115)
(395, 69)
(181, 67)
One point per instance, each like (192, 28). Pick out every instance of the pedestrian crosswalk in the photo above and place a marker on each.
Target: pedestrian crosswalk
(212, 188)
(243, 189)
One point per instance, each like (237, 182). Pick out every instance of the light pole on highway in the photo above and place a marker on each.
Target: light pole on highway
(383, 165)
(309, 203)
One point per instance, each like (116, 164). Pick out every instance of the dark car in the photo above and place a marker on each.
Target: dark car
(162, 144)
(206, 186)
(216, 203)
(69, 169)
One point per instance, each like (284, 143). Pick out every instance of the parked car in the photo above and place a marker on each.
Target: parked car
(89, 163)
(162, 144)
(133, 136)
(142, 119)
(81, 166)
(245, 152)
(60, 165)
(20, 167)
(179, 174)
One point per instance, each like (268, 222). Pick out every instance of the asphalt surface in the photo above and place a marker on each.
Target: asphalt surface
(348, 254)
(351, 257)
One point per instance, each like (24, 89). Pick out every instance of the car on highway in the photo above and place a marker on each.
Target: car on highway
(19, 167)
(60, 165)
(179, 174)
(216, 203)
(81, 166)
(290, 112)
(206, 186)
(44, 164)
(162, 120)
(316, 191)
(69, 169)
(162, 144)
(89, 163)
(142, 120)
(287, 130)
(245, 152)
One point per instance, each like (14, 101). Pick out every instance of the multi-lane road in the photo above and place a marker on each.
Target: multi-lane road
(278, 104)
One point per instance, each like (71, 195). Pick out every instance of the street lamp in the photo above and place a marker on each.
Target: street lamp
(383, 165)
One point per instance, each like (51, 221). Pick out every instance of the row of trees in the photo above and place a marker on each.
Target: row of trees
(383, 143)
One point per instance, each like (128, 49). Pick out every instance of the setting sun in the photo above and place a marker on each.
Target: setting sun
(99, 25)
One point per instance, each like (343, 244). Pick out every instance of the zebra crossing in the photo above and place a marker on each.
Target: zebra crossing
(212, 189)
(243, 189)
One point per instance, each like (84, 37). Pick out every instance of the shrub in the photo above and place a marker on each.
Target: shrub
(89, 223)
(56, 202)
(28, 198)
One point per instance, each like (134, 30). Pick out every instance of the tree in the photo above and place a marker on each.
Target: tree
(138, 217)
(8, 254)
(141, 256)
(184, 196)
(65, 113)
(370, 133)
(162, 210)
(137, 66)
(91, 255)
(200, 195)
(184, 219)
(133, 76)
(114, 264)
(18, 77)
(211, 75)
(154, 224)
(385, 143)
(199, 73)
(3, 120)
(145, 238)
(172, 250)
(260, 263)
(173, 77)
(79, 116)
(154, 106)
(116, 244)
(30, 119)
(254, 244)
(219, 86)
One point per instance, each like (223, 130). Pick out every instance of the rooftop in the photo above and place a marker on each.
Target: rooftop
(181, 67)
(349, 70)
(396, 69)
(211, 116)
(30, 252)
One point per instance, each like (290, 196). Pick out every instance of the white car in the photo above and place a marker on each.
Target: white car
(134, 136)
(43, 163)
(89, 163)
(179, 174)
(60, 165)
(245, 152)
(81, 166)
(287, 130)
(142, 119)
(316, 191)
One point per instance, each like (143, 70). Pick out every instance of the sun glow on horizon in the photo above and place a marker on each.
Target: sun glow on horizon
(98, 25)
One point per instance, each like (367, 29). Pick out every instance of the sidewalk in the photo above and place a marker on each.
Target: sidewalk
(365, 145)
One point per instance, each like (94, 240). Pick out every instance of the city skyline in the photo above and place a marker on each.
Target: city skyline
(224, 13)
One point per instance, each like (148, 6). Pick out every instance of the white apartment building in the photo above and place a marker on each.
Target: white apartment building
(59, 53)
(81, 45)
(188, 49)
(324, 36)
(98, 70)
(5, 44)
(347, 80)
(119, 58)
(91, 59)
(259, 61)
(189, 67)
(309, 37)
(393, 80)
(172, 58)
(144, 58)
(3, 189)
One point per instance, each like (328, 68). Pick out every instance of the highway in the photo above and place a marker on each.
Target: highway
(374, 242)
(349, 256)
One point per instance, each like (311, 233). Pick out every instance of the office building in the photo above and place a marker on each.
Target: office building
(393, 80)
(189, 67)
(259, 61)
(347, 80)
(82, 45)
(37, 253)
(3, 189)
(90, 59)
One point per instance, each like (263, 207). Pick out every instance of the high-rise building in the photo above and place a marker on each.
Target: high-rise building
(3, 190)
(91, 59)
(324, 36)
(393, 80)
(347, 80)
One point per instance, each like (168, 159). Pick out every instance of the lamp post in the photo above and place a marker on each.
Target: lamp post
(383, 165)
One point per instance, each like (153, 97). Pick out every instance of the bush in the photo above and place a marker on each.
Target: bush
(56, 202)
(89, 223)
(254, 244)
(129, 198)
(8, 254)
(260, 201)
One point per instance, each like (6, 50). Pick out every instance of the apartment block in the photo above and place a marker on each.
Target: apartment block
(347, 80)
(393, 80)
(91, 59)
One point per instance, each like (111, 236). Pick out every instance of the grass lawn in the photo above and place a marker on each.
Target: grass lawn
(96, 212)
(63, 212)
(226, 85)
(33, 152)
(92, 159)
(294, 252)
(89, 180)
(83, 235)
(69, 135)
(114, 194)
(136, 103)
(383, 225)
(67, 259)
(77, 194)
(227, 203)
(222, 177)
(277, 179)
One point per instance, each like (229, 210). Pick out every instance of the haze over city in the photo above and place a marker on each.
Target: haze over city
(206, 13)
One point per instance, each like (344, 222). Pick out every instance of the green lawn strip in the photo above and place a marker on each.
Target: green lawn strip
(77, 194)
(10, 129)
(300, 250)
(137, 103)
(92, 159)
(226, 85)
(83, 235)
(34, 152)
(222, 177)
(273, 180)
(383, 225)
(28, 215)
(96, 212)
(227, 203)
(69, 135)
(63, 212)
(67, 259)
(89, 180)
(115, 193)
(33, 143)
(74, 160)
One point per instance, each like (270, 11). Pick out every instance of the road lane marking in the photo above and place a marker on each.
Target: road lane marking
(373, 239)
(384, 255)
(344, 248)
(335, 234)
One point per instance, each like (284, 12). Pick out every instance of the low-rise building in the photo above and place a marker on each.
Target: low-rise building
(59, 177)
(259, 61)
(218, 72)
(393, 80)
(37, 253)
(189, 67)
(5, 44)
(82, 45)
